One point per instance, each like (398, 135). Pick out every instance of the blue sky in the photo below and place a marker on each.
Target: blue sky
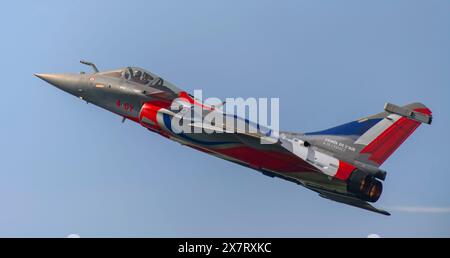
(68, 167)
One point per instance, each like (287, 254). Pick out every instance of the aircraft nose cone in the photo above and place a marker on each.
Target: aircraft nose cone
(66, 82)
(43, 76)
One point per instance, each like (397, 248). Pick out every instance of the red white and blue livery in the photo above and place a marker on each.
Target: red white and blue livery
(341, 163)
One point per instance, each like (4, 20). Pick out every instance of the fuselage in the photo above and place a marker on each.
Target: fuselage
(340, 163)
(150, 103)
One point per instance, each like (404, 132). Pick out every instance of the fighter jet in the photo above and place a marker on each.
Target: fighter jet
(340, 164)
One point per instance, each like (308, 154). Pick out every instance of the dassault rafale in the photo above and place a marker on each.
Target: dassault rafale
(340, 164)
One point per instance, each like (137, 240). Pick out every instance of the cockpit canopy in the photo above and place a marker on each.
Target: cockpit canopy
(143, 77)
(133, 74)
(137, 75)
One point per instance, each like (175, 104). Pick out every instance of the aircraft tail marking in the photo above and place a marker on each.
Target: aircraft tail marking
(384, 138)
(381, 134)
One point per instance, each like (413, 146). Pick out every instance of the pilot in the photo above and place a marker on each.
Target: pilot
(125, 75)
(137, 75)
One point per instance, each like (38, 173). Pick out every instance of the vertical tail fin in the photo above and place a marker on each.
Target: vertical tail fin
(387, 135)
(375, 138)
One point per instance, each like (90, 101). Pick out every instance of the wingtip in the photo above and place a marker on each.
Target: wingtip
(385, 213)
